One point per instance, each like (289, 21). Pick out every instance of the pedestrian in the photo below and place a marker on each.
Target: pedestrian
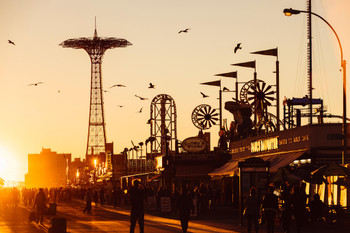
(40, 204)
(286, 208)
(270, 208)
(252, 210)
(137, 196)
(88, 199)
(185, 205)
(317, 208)
(299, 206)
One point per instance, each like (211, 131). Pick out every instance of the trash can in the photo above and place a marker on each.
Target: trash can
(52, 209)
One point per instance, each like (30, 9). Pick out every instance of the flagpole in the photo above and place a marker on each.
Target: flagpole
(255, 82)
(220, 106)
(274, 52)
(278, 94)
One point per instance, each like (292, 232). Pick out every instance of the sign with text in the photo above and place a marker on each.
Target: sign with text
(165, 204)
(264, 145)
(194, 144)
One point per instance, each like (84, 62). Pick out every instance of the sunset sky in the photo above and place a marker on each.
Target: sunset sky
(55, 113)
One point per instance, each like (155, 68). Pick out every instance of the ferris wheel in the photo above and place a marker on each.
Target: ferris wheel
(204, 116)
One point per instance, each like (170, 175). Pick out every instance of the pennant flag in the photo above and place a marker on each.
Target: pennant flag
(214, 83)
(250, 64)
(270, 52)
(230, 74)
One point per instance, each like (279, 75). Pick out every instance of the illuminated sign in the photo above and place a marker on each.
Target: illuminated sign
(264, 145)
(109, 161)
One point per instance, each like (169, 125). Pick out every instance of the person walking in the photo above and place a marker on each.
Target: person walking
(252, 210)
(270, 208)
(185, 205)
(299, 206)
(88, 199)
(40, 204)
(137, 196)
(286, 208)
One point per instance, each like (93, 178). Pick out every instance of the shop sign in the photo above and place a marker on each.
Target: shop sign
(264, 145)
(165, 204)
(109, 161)
(194, 144)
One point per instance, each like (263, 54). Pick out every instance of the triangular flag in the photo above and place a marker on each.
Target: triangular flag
(230, 74)
(250, 64)
(214, 83)
(270, 52)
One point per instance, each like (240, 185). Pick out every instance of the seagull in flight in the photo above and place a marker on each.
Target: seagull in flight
(141, 98)
(117, 85)
(225, 89)
(184, 31)
(11, 42)
(238, 46)
(204, 95)
(35, 84)
(151, 85)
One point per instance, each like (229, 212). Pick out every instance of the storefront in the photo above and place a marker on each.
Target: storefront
(316, 145)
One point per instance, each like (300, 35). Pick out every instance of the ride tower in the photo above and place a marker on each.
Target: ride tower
(96, 47)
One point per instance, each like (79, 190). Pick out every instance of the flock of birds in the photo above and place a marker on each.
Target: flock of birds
(151, 85)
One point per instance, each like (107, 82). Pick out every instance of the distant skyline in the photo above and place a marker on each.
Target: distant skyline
(54, 113)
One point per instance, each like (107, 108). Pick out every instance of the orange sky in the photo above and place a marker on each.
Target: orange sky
(39, 116)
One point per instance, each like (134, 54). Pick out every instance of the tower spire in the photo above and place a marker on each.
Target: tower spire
(95, 34)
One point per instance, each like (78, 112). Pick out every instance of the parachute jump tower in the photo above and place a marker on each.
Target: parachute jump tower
(96, 47)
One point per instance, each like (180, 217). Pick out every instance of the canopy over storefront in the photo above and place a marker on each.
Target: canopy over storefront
(277, 160)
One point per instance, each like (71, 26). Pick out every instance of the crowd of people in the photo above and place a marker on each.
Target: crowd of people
(291, 205)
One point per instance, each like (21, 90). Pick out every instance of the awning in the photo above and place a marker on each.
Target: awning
(282, 160)
(229, 169)
(276, 161)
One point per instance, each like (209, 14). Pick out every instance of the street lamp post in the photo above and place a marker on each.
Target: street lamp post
(289, 12)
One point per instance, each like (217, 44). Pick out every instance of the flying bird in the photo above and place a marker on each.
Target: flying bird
(35, 84)
(238, 46)
(117, 85)
(141, 98)
(184, 31)
(204, 95)
(225, 89)
(11, 42)
(151, 85)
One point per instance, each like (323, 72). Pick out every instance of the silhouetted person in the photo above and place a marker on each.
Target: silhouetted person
(252, 210)
(270, 207)
(88, 200)
(185, 205)
(286, 208)
(40, 204)
(316, 209)
(299, 206)
(137, 197)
